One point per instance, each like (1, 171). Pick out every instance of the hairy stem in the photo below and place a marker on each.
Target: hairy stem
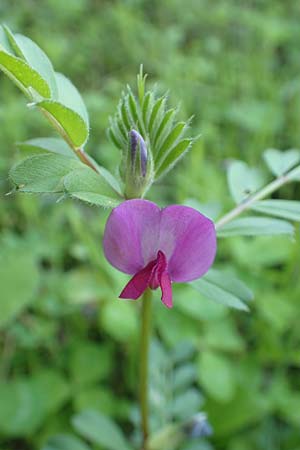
(144, 365)
(267, 190)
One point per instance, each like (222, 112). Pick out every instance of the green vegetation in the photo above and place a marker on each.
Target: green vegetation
(68, 364)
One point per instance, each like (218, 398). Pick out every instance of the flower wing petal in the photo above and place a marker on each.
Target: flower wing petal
(166, 289)
(131, 235)
(188, 238)
(138, 283)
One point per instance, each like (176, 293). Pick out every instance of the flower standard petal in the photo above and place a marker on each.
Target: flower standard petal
(188, 239)
(131, 235)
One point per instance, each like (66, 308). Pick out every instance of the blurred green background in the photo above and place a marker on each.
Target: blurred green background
(66, 343)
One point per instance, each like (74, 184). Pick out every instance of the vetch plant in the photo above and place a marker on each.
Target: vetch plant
(156, 246)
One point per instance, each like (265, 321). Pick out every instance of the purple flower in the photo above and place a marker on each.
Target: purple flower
(158, 246)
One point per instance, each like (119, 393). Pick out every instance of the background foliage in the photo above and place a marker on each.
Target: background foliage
(66, 344)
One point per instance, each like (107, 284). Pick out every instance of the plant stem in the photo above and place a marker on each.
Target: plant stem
(267, 190)
(144, 365)
(79, 152)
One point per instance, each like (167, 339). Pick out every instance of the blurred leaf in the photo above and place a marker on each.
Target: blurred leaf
(261, 251)
(23, 75)
(289, 407)
(288, 209)
(119, 319)
(243, 180)
(276, 310)
(179, 327)
(216, 376)
(43, 173)
(103, 400)
(223, 335)
(65, 442)
(18, 408)
(50, 380)
(184, 376)
(247, 407)
(186, 403)
(100, 430)
(280, 162)
(224, 289)
(81, 286)
(19, 279)
(26, 403)
(188, 301)
(69, 96)
(295, 175)
(69, 121)
(86, 185)
(44, 145)
(90, 363)
(255, 226)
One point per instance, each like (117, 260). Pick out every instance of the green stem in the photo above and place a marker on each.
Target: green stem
(79, 152)
(144, 365)
(267, 190)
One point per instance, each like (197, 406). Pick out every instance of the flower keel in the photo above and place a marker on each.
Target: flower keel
(155, 274)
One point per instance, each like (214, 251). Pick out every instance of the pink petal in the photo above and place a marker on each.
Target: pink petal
(138, 283)
(188, 240)
(131, 235)
(166, 289)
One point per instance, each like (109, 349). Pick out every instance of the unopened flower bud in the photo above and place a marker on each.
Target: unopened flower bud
(138, 169)
(138, 151)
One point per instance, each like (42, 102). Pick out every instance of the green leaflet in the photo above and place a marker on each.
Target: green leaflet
(224, 289)
(26, 404)
(23, 75)
(43, 173)
(164, 127)
(30, 68)
(70, 122)
(255, 226)
(19, 279)
(288, 209)
(157, 115)
(243, 180)
(216, 375)
(4, 41)
(69, 96)
(173, 157)
(28, 50)
(171, 140)
(87, 186)
(100, 430)
(44, 145)
(280, 162)
(65, 442)
(56, 173)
